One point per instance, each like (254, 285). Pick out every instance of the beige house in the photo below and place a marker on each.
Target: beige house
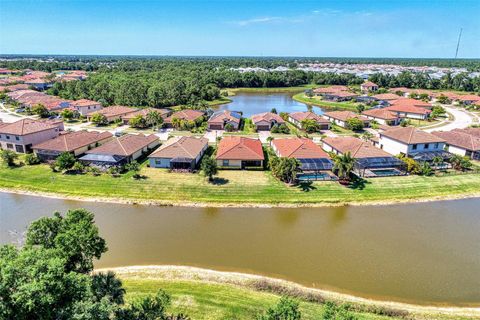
(113, 113)
(21, 135)
(84, 106)
(296, 119)
(383, 116)
(239, 153)
(340, 118)
(179, 153)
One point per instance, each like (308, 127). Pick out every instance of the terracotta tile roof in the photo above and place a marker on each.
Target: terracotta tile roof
(411, 102)
(468, 97)
(344, 115)
(356, 147)
(225, 115)
(408, 109)
(26, 126)
(449, 95)
(84, 103)
(331, 89)
(387, 96)
(460, 139)
(115, 111)
(369, 84)
(402, 89)
(184, 147)
(239, 148)
(267, 116)
(343, 94)
(71, 141)
(302, 115)
(299, 148)
(410, 135)
(144, 112)
(125, 145)
(187, 114)
(14, 87)
(472, 131)
(381, 114)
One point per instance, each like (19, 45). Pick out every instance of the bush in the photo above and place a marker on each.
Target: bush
(65, 161)
(280, 128)
(354, 124)
(209, 167)
(229, 127)
(32, 159)
(99, 119)
(286, 309)
(8, 157)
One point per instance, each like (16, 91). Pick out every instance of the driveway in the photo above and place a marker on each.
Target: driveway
(212, 135)
(263, 136)
(463, 119)
(163, 134)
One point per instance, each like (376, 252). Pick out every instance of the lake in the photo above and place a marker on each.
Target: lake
(425, 253)
(251, 103)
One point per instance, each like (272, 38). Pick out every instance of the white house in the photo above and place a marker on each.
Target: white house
(410, 141)
(461, 142)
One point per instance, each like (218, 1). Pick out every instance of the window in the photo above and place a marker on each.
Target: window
(19, 148)
(414, 147)
(225, 163)
(8, 137)
(426, 146)
(17, 138)
(436, 145)
(9, 146)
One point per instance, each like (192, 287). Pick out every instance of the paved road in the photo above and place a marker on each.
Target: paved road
(463, 119)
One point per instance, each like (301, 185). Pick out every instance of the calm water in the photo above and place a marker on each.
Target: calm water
(252, 103)
(422, 253)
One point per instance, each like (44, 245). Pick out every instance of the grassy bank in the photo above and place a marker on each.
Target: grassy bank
(301, 97)
(233, 91)
(208, 294)
(233, 187)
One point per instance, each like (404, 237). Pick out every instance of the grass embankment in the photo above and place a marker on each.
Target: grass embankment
(233, 91)
(208, 294)
(316, 101)
(233, 187)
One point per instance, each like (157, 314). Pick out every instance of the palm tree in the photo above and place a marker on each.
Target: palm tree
(108, 285)
(344, 164)
(437, 161)
(153, 119)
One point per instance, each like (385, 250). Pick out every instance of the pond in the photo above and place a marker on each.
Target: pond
(251, 103)
(426, 253)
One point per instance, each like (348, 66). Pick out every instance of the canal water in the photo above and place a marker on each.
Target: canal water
(251, 103)
(425, 253)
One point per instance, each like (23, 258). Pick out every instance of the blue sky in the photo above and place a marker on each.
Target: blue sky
(238, 27)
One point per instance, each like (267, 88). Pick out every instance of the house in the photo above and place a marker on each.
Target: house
(340, 118)
(179, 153)
(383, 116)
(340, 96)
(331, 89)
(460, 142)
(296, 119)
(368, 86)
(113, 113)
(85, 106)
(186, 115)
(239, 153)
(409, 111)
(144, 112)
(77, 143)
(386, 96)
(122, 150)
(221, 118)
(369, 160)
(39, 83)
(265, 121)
(412, 142)
(21, 135)
(313, 160)
(14, 87)
(468, 99)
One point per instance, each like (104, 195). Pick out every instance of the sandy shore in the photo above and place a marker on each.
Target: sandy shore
(168, 203)
(256, 282)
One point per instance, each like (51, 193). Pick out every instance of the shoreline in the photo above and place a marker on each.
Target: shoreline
(278, 286)
(169, 203)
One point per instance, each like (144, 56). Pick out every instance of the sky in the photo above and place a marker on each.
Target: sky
(388, 28)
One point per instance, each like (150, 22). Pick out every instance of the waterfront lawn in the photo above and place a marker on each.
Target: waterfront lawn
(233, 187)
(206, 300)
(317, 101)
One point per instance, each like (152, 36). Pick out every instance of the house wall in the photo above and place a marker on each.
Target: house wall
(88, 109)
(413, 115)
(392, 146)
(27, 140)
(456, 150)
(231, 164)
(329, 148)
(160, 163)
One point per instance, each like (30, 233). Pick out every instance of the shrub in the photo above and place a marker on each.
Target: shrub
(32, 159)
(310, 125)
(229, 127)
(209, 167)
(99, 119)
(286, 309)
(8, 157)
(354, 124)
(65, 161)
(280, 128)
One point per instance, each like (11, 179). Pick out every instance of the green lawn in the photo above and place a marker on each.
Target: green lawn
(233, 186)
(232, 91)
(316, 101)
(209, 301)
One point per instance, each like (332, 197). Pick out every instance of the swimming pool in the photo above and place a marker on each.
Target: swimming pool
(385, 172)
(314, 176)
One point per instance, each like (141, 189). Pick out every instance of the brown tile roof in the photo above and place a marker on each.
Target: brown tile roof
(115, 111)
(84, 103)
(408, 109)
(71, 141)
(331, 89)
(184, 147)
(187, 114)
(411, 102)
(14, 87)
(302, 115)
(125, 145)
(225, 115)
(267, 116)
(381, 114)
(410, 135)
(239, 148)
(299, 148)
(144, 112)
(472, 131)
(344, 115)
(468, 97)
(369, 84)
(344, 94)
(26, 126)
(387, 96)
(460, 139)
(356, 147)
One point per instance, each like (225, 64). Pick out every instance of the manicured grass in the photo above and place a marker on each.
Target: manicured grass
(209, 301)
(233, 187)
(316, 101)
